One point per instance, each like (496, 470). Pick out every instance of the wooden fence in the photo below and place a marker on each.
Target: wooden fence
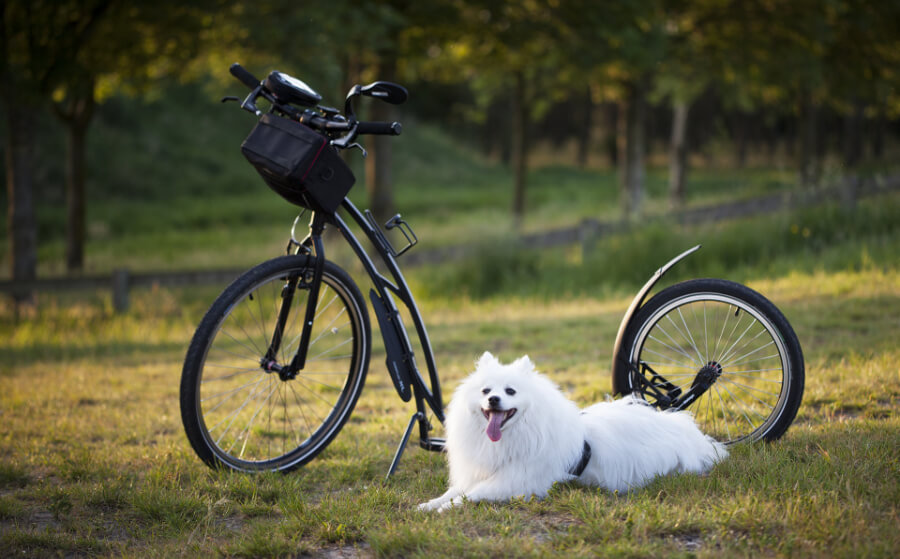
(588, 231)
(120, 282)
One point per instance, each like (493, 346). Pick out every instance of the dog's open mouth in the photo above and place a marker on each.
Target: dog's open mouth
(496, 420)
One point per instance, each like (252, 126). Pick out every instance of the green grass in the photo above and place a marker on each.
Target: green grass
(168, 188)
(826, 238)
(93, 460)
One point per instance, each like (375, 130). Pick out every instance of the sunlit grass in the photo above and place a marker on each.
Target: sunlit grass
(93, 459)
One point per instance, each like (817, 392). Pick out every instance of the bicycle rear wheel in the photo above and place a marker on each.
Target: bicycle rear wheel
(726, 336)
(237, 409)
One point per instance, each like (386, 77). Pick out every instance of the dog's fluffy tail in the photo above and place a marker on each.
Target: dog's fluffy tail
(636, 443)
(700, 451)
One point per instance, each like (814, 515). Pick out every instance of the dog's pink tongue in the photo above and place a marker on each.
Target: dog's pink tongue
(495, 420)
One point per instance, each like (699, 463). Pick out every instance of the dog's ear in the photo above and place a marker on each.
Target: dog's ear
(523, 365)
(487, 358)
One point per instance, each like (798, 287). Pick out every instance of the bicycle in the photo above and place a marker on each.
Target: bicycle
(278, 362)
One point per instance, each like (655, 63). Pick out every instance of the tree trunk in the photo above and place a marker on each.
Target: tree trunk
(585, 128)
(611, 143)
(519, 147)
(632, 174)
(852, 140)
(379, 175)
(678, 155)
(76, 113)
(740, 139)
(878, 130)
(21, 224)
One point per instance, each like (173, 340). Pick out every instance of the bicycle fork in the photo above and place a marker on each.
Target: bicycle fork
(298, 362)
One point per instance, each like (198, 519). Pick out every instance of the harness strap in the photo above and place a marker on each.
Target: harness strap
(578, 468)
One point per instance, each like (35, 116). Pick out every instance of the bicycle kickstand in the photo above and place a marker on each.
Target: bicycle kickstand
(417, 417)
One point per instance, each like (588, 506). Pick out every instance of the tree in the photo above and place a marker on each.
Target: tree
(621, 46)
(861, 60)
(348, 43)
(131, 47)
(509, 52)
(680, 81)
(59, 54)
(39, 42)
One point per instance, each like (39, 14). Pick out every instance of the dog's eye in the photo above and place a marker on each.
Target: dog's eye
(510, 391)
(486, 391)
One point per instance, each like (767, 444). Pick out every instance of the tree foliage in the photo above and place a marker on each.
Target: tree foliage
(514, 60)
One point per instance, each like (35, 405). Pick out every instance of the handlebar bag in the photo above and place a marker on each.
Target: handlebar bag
(298, 163)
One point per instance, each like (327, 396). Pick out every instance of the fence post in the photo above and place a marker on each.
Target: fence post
(588, 233)
(120, 290)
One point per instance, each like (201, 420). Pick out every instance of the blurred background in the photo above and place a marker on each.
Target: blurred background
(624, 128)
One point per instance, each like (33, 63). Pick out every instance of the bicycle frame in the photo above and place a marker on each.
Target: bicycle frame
(383, 288)
(400, 361)
(302, 276)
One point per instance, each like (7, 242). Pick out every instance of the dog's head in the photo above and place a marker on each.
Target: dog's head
(499, 393)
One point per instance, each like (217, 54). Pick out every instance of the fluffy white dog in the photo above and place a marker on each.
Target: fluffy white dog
(511, 433)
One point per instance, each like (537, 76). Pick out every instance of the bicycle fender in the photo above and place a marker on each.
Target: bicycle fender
(399, 355)
(636, 304)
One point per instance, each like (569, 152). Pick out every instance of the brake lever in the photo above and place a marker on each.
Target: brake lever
(249, 104)
(346, 141)
(230, 98)
(356, 145)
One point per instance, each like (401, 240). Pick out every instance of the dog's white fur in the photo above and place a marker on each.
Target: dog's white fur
(631, 442)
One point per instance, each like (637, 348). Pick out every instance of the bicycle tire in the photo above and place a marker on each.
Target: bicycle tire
(243, 416)
(714, 323)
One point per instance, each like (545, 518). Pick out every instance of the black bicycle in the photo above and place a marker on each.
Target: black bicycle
(278, 362)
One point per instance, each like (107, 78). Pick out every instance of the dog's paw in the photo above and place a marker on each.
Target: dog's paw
(448, 505)
(434, 504)
(457, 501)
(441, 504)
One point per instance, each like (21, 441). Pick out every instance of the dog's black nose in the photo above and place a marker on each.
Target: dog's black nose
(494, 401)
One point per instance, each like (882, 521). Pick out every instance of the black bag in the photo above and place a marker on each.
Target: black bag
(298, 163)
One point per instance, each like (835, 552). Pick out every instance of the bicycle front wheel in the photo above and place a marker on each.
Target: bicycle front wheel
(237, 409)
(728, 338)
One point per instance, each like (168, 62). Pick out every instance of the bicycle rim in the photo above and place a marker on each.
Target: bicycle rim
(250, 417)
(723, 333)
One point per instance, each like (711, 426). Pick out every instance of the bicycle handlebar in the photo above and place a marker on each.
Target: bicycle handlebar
(243, 76)
(312, 118)
(380, 128)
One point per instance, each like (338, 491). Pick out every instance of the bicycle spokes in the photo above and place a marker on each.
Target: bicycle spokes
(717, 357)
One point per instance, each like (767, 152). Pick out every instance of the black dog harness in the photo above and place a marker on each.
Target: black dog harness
(578, 468)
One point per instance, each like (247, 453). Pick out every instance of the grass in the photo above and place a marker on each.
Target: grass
(826, 238)
(93, 460)
(156, 169)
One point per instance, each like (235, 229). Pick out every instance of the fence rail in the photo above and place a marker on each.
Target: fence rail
(588, 231)
(120, 282)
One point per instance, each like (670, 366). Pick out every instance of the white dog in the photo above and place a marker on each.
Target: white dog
(511, 433)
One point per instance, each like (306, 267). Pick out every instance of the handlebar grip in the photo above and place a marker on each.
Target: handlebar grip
(382, 128)
(243, 75)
